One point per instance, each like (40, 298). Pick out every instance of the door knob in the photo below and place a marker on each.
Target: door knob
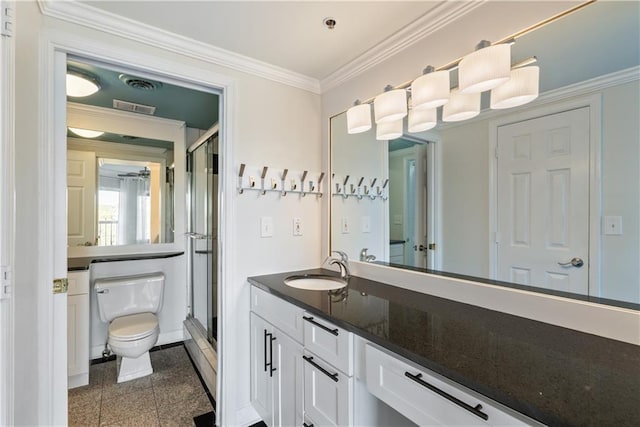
(419, 248)
(575, 262)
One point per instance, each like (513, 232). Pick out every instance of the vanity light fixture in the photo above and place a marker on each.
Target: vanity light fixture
(430, 90)
(86, 133)
(520, 89)
(461, 106)
(359, 118)
(80, 85)
(421, 120)
(488, 67)
(391, 105)
(389, 130)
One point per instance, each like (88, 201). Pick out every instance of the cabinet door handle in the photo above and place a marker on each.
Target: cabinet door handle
(475, 410)
(265, 350)
(271, 368)
(331, 331)
(321, 369)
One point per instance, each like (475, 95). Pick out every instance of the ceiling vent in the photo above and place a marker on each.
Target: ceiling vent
(133, 107)
(139, 83)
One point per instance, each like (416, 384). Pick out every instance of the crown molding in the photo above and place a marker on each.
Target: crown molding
(438, 17)
(585, 87)
(92, 17)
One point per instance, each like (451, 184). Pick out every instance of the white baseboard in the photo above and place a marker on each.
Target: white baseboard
(164, 338)
(78, 380)
(247, 416)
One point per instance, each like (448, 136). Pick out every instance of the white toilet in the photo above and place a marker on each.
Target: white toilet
(129, 305)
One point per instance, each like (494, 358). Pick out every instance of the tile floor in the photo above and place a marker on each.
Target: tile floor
(171, 396)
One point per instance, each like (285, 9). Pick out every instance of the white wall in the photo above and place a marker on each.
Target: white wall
(273, 124)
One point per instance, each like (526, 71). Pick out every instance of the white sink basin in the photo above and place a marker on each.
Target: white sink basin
(315, 282)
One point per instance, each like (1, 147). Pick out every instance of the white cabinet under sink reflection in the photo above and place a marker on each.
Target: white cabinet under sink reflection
(78, 328)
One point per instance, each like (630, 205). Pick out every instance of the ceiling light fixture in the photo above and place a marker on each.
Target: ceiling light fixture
(461, 106)
(86, 133)
(391, 105)
(80, 85)
(488, 67)
(359, 118)
(430, 90)
(519, 90)
(389, 130)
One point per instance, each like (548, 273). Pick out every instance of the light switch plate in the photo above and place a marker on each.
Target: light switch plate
(366, 224)
(266, 226)
(612, 225)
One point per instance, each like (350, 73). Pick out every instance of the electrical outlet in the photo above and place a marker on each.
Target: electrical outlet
(344, 227)
(612, 225)
(266, 226)
(297, 227)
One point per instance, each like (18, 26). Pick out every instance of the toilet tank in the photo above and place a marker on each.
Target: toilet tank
(121, 296)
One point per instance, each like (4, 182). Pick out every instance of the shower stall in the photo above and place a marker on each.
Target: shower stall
(201, 325)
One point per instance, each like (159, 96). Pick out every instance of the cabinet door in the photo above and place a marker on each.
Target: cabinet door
(261, 375)
(327, 393)
(288, 385)
(77, 335)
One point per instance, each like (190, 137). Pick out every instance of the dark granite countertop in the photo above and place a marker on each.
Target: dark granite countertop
(79, 264)
(555, 375)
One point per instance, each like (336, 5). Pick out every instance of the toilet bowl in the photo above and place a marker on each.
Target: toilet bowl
(129, 305)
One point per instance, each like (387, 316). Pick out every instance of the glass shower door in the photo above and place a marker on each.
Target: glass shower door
(203, 166)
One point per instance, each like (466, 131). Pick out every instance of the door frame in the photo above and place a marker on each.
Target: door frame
(51, 262)
(594, 102)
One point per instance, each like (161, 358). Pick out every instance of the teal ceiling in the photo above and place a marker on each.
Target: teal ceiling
(197, 108)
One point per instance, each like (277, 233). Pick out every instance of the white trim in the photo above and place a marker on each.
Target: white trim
(101, 20)
(7, 222)
(594, 102)
(58, 41)
(440, 16)
(616, 323)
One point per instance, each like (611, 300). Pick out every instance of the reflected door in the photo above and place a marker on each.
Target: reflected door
(81, 202)
(543, 202)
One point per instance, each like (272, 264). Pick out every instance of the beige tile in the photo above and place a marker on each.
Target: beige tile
(177, 389)
(122, 407)
(182, 413)
(85, 395)
(149, 418)
(111, 388)
(85, 415)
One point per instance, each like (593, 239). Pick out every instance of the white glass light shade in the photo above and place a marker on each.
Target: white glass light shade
(421, 120)
(461, 106)
(430, 90)
(523, 87)
(389, 130)
(390, 106)
(79, 86)
(359, 118)
(86, 133)
(485, 68)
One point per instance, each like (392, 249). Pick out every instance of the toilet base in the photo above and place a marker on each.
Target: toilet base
(130, 368)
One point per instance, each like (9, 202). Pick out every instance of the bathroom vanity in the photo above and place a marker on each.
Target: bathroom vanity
(346, 357)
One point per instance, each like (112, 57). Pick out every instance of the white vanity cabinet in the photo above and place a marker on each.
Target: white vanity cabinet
(276, 360)
(328, 373)
(78, 328)
(429, 399)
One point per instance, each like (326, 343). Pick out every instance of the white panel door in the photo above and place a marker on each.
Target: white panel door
(288, 385)
(81, 197)
(543, 201)
(261, 376)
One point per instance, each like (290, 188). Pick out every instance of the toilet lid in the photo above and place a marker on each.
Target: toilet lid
(133, 327)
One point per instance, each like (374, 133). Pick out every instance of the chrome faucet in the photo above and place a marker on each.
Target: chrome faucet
(366, 258)
(342, 262)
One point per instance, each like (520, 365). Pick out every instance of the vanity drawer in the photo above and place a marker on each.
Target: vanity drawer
(331, 343)
(281, 314)
(328, 393)
(429, 399)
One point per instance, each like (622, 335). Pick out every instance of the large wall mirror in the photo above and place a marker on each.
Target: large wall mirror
(124, 181)
(546, 195)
